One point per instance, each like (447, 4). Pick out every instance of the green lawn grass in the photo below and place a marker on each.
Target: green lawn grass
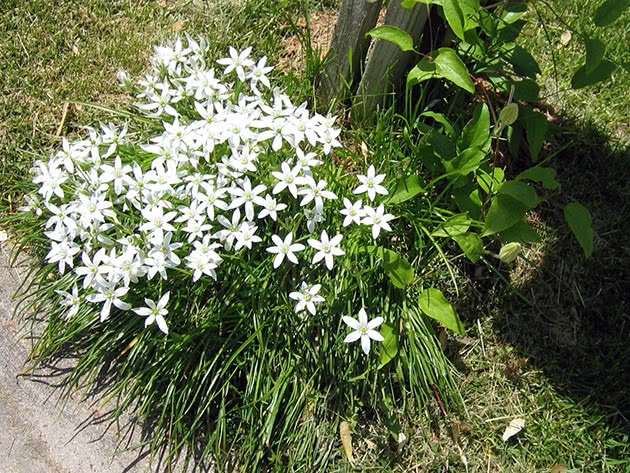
(560, 362)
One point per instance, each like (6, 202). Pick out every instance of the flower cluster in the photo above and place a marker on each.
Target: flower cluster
(234, 167)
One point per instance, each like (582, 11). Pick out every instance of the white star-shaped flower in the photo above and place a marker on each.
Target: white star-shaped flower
(307, 298)
(327, 248)
(284, 248)
(378, 219)
(363, 329)
(352, 212)
(370, 183)
(155, 312)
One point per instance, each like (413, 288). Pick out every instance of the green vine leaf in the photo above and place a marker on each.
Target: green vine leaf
(476, 133)
(471, 245)
(405, 189)
(395, 35)
(602, 72)
(450, 67)
(399, 271)
(523, 62)
(434, 304)
(454, 17)
(609, 11)
(504, 212)
(536, 125)
(594, 54)
(388, 348)
(579, 219)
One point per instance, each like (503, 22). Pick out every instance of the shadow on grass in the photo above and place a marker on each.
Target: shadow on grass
(577, 327)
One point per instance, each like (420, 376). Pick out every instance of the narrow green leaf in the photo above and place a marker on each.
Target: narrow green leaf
(455, 225)
(394, 35)
(490, 182)
(451, 67)
(471, 245)
(454, 17)
(579, 219)
(522, 192)
(476, 133)
(536, 125)
(504, 212)
(602, 72)
(388, 348)
(595, 49)
(434, 304)
(546, 176)
(406, 188)
(440, 118)
(396, 267)
(609, 11)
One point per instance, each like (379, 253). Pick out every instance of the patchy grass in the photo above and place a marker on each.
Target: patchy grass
(605, 105)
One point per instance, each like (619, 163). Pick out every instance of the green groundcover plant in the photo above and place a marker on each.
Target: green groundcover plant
(213, 270)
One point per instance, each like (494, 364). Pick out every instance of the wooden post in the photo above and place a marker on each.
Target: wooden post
(349, 47)
(386, 63)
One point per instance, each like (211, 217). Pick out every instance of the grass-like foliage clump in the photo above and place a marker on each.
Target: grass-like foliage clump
(206, 260)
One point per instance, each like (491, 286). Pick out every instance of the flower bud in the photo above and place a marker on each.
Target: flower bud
(509, 252)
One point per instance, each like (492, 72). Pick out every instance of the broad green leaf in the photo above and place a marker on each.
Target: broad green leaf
(521, 232)
(443, 146)
(422, 71)
(602, 72)
(388, 348)
(521, 192)
(609, 11)
(523, 62)
(476, 133)
(466, 162)
(579, 219)
(546, 176)
(451, 67)
(508, 114)
(507, 33)
(514, 136)
(455, 225)
(504, 212)
(408, 4)
(536, 125)
(396, 267)
(470, 10)
(434, 304)
(454, 17)
(468, 199)
(471, 245)
(595, 49)
(514, 10)
(405, 189)
(526, 90)
(395, 35)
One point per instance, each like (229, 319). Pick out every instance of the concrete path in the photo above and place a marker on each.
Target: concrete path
(36, 434)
